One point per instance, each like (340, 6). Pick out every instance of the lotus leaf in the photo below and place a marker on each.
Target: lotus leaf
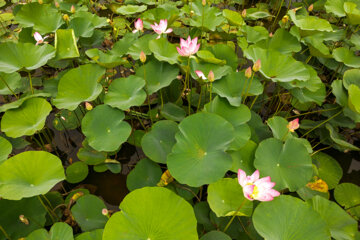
(6, 149)
(10, 83)
(105, 59)
(348, 196)
(59, 230)
(65, 44)
(145, 174)
(163, 50)
(346, 56)
(310, 22)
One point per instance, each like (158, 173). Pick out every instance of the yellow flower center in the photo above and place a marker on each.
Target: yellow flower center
(255, 192)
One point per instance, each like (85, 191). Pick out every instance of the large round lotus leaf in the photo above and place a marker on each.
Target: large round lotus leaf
(233, 17)
(244, 158)
(328, 169)
(79, 85)
(235, 115)
(141, 45)
(288, 217)
(282, 41)
(20, 101)
(354, 98)
(226, 196)
(351, 76)
(96, 21)
(242, 135)
(336, 7)
(256, 33)
(31, 208)
(235, 84)
(89, 155)
(122, 46)
(163, 50)
(352, 11)
(199, 156)
(223, 51)
(279, 128)
(215, 235)
(219, 71)
(157, 143)
(105, 129)
(145, 174)
(209, 57)
(341, 224)
(310, 22)
(279, 161)
(124, 93)
(347, 57)
(76, 172)
(171, 111)
(82, 27)
(42, 17)
(152, 213)
(105, 59)
(16, 56)
(66, 119)
(157, 74)
(88, 212)
(65, 44)
(5, 149)
(205, 16)
(10, 83)
(348, 196)
(130, 9)
(58, 231)
(277, 66)
(27, 119)
(93, 235)
(29, 174)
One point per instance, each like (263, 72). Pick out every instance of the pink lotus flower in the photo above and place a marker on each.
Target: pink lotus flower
(138, 26)
(39, 39)
(200, 74)
(161, 28)
(255, 188)
(293, 125)
(188, 47)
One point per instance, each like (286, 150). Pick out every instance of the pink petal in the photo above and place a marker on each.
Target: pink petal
(264, 179)
(200, 74)
(158, 37)
(182, 42)
(248, 190)
(135, 31)
(264, 198)
(255, 176)
(241, 177)
(169, 30)
(37, 36)
(194, 41)
(180, 51)
(197, 48)
(274, 193)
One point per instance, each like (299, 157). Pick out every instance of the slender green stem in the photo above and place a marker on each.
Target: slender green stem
(321, 110)
(5, 233)
(147, 93)
(47, 209)
(333, 116)
(202, 23)
(31, 86)
(322, 149)
(245, 86)
(38, 143)
(277, 15)
(161, 99)
(199, 102)
(233, 217)
(253, 102)
(187, 82)
(210, 91)
(248, 87)
(3, 80)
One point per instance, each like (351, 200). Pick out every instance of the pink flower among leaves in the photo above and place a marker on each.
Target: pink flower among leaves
(138, 26)
(200, 74)
(161, 27)
(293, 125)
(255, 188)
(39, 39)
(188, 47)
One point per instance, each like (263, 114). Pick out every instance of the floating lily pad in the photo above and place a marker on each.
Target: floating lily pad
(173, 112)
(157, 143)
(226, 196)
(292, 215)
(93, 235)
(244, 158)
(105, 59)
(145, 174)
(130, 9)
(218, 70)
(174, 218)
(29, 174)
(233, 17)
(82, 27)
(10, 80)
(76, 172)
(351, 76)
(105, 129)
(279, 128)
(215, 235)
(276, 66)
(328, 169)
(352, 11)
(27, 119)
(27, 56)
(205, 16)
(65, 44)
(336, 7)
(88, 212)
(347, 57)
(96, 21)
(59, 230)
(286, 169)
(310, 22)
(199, 157)
(348, 196)
(141, 45)
(341, 225)
(6, 149)
(124, 93)
(79, 85)
(163, 50)
(42, 17)
(157, 74)
(31, 208)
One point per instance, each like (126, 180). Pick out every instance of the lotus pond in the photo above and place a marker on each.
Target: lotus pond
(179, 120)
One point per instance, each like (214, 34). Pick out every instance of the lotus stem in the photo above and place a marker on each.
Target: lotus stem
(277, 15)
(31, 86)
(248, 87)
(147, 93)
(5, 233)
(321, 110)
(233, 217)
(3, 80)
(199, 102)
(47, 209)
(333, 116)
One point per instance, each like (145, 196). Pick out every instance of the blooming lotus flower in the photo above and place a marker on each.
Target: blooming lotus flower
(161, 28)
(138, 26)
(293, 125)
(200, 74)
(255, 188)
(188, 47)
(39, 39)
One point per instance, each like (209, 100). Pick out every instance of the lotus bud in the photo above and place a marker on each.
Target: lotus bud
(285, 19)
(72, 9)
(271, 34)
(24, 220)
(77, 195)
(311, 7)
(66, 18)
(88, 106)
(105, 212)
(57, 5)
(40, 1)
(203, 3)
(166, 178)
(248, 72)
(142, 57)
(243, 13)
(293, 125)
(211, 76)
(192, 13)
(257, 65)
